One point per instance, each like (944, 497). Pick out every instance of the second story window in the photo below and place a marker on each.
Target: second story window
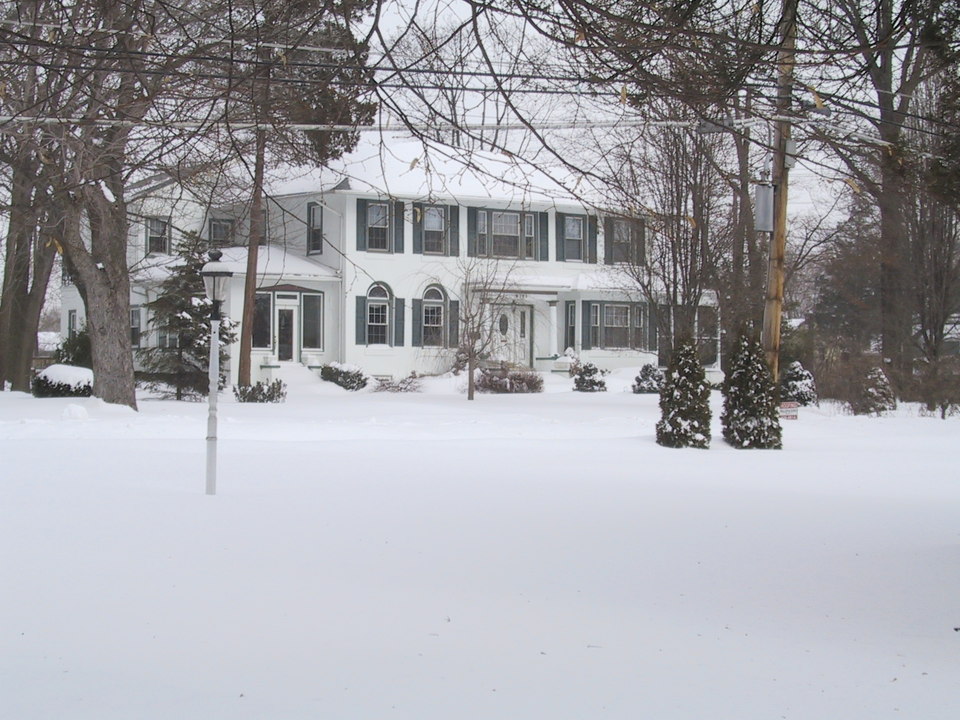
(314, 228)
(573, 238)
(220, 232)
(378, 225)
(434, 230)
(627, 244)
(158, 236)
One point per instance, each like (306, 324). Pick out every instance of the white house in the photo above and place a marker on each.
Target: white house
(365, 263)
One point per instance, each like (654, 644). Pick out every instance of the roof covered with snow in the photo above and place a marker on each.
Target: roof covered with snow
(412, 168)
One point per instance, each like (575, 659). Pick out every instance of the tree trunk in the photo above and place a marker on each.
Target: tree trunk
(250, 281)
(103, 280)
(471, 378)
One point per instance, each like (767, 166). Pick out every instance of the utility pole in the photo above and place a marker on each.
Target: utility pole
(773, 308)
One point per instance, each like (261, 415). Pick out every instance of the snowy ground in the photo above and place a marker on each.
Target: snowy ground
(418, 556)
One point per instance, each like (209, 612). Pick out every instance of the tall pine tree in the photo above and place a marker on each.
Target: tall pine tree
(685, 402)
(176, 363)
(751, 416)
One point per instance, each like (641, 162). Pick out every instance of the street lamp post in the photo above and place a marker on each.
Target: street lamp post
(216, 277)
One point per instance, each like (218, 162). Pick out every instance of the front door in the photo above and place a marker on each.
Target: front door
(285, 333)
(512, 334)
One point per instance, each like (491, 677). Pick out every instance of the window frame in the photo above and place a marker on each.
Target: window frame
(578, 242)
(151, 238)
(440, 235)
(386, 227)
(218, 239)
(303, 320)
(378, 302)
(258, 306)
(609, 329)
(526, 237)
(315, 237)
(438, 304)
(632, 250)
(136, 329)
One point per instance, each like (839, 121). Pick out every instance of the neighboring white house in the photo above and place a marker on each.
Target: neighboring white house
(365, 262)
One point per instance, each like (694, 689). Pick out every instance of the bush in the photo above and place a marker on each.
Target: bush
(411, 383)
(875, 395)
(349, 377)
(684, 402)
(75, 350)
(275, 392)
(588, 378)
(650, 380)
(797, 385)
(751, 416)
(508, 381)
(62, 381)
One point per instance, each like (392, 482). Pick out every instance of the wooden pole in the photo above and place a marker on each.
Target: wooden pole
(773, 308)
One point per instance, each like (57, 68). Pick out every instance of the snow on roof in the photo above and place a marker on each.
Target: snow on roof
(274, 260)
(423, 170)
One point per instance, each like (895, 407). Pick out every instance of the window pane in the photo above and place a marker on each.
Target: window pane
(433, 218)
(573, 249)
(378, 291)
(616, 326)
(261, 321)
(376, 324)
(433, 325)
(156, 235)
(506, 234)
(573, 228)
(377, 223)
(315, 228)
(312, 321)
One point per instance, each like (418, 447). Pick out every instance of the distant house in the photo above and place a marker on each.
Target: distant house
(364, 263)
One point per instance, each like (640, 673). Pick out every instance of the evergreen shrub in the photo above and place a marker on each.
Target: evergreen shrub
(508, 381)
(650, 380)
(751, 417)
(44, 387)
(875, 394)
(684, 402)
(349, 377)
(275, 392)
(588, 378)
(75, 350)
(797, 385)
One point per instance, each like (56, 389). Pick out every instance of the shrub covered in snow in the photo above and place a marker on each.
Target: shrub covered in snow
(275, 392)
(685, 402)
(508, 381)
(75, 350)
(797, 385)
(875, 394)
(349, 377)
(588, 378)
(63, 381)
(650, 380)
(410, 383)
(750, 408)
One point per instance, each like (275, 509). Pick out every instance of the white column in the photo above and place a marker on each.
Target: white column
(553, 328)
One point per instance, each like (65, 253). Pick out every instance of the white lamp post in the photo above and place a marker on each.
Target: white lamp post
(216, 277)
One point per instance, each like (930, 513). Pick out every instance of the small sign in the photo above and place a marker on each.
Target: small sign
(789, 410)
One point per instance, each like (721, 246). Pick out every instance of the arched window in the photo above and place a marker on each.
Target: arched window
(378, 315)
(433, 317)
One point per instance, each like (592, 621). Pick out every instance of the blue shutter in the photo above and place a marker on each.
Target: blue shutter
(417, 229)
(453, 324)
(608, 241)
(361, 225)
(398, 227)
(453, 242)
(585, 326)
(543, 221)
(561, 235)
(398, 317)
(417, 339)
(361, 320)
(592, 238)
(471, 232)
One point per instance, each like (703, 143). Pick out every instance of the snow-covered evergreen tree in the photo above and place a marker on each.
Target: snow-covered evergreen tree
(177, 367)
(876, 394)
(797, 384)
(589, 378)
(751, 417)
(650, 380)
(685, 402)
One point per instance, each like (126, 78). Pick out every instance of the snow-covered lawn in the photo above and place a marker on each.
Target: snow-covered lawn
(519, 557)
